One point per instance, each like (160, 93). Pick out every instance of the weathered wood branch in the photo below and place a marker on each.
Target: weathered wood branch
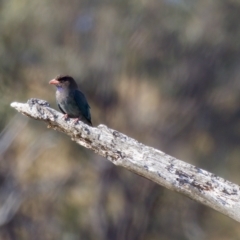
(121, 150)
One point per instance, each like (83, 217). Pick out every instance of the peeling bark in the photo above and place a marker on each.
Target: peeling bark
(198, 184)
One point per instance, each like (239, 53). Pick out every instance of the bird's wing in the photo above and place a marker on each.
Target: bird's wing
(82, 104)
(61, 109)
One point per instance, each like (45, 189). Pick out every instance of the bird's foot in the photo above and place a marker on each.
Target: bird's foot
(65, 116)
(76, 120)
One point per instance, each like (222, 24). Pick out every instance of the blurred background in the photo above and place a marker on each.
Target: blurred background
(166, 73)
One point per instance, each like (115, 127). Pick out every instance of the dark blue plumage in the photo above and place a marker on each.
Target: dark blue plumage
(71, 101)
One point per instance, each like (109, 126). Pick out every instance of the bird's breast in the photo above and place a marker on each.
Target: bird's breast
(67, 103)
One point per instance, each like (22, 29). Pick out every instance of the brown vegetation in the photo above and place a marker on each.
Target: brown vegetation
(164, 72)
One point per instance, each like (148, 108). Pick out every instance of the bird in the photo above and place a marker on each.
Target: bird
(70, 100)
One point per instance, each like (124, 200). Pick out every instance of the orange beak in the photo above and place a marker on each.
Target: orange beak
(54, 82)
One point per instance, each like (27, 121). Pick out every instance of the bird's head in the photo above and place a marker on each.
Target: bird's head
(65, 82)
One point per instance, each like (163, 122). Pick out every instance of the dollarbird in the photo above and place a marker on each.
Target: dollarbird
(70, 100)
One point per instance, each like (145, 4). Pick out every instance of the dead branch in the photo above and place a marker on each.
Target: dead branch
(198, 184)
